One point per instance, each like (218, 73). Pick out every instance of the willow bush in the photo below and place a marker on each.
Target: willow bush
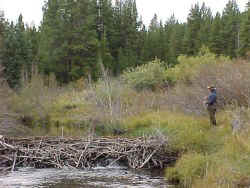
(189, 67)
(148, 76)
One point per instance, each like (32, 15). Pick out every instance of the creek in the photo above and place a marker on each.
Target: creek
(100, 177)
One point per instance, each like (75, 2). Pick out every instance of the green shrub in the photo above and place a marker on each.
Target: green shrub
(35, 98)
(148, 76)
(188, 67)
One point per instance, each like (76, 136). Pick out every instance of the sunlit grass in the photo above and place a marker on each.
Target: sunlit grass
(221, 159)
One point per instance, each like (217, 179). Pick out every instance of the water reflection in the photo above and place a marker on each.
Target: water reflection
(99, 177)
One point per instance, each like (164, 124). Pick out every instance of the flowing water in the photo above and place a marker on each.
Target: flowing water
(114, 176)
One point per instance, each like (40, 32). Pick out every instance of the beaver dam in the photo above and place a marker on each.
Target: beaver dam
(51, 152)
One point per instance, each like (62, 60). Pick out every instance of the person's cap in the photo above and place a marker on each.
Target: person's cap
(211, 87)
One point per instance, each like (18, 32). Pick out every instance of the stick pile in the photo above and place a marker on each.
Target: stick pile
(48, 152)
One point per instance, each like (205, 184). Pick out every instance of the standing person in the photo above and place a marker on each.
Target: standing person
(211, 104)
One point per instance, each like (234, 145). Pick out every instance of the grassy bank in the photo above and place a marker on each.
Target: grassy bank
(152, 101)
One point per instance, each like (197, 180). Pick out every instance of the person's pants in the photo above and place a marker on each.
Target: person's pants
(211, 110)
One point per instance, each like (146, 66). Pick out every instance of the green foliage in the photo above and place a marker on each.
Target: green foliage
(68, 45)
(75, 35)
(216, 38)
(231, 24)
(2, 28)
(191, 41)
(206, 22)
(124, 39)
(147, 76)
(188, 67)
(175, 32)
(244, 34)
(16, 53)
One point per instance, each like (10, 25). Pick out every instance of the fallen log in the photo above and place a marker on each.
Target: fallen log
(55, 152)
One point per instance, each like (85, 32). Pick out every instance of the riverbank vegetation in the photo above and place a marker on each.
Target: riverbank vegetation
(115, 77)
(170, 108)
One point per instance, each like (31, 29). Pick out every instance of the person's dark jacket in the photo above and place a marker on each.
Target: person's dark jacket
(212, 98)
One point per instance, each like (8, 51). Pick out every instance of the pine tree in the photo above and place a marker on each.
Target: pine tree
(191, 41)
(105, 32)
(174, 34)
(205, 26)
(126, 34)
(69, 41)
(142, 44)
(16, 52)
(2, 28)
(231, 25)
(33, 38)
(154, 24)
(154, 32)
(162, 43)
(245, 34)
(157, 41)
(216, 38)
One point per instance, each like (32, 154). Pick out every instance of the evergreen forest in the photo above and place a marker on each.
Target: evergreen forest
(77, 38)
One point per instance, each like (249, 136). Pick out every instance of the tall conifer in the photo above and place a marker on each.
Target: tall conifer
(245, 34)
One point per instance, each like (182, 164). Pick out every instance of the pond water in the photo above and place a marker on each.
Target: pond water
(114, 176)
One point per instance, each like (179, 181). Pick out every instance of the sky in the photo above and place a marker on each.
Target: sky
(32, 9)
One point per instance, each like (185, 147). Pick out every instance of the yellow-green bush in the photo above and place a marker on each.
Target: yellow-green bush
(189, 67)
(148, 76)
(70, 108)
(35, 98)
